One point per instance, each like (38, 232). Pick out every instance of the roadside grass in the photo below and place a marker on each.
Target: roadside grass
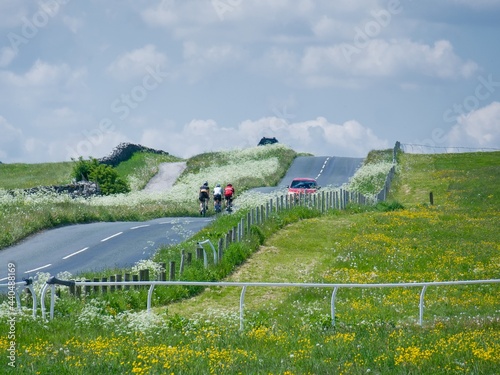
(289, 331)
(370, 178)
(25, 176)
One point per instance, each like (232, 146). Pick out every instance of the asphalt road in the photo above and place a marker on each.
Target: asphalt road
(98, 246)
(327, 170)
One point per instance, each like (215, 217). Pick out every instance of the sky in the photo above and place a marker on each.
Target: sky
(327, 77)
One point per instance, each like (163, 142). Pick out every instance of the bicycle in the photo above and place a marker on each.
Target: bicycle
(203, 211)
(217, 203)
(229, 204)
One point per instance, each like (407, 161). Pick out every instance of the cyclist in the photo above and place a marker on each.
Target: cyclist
(229, 195)
(217, 197)
(204, 195)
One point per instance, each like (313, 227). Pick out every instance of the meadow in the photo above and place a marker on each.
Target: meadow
(289, 331)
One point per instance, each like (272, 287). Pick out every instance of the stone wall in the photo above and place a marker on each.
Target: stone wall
(78, 189)
(124, 151)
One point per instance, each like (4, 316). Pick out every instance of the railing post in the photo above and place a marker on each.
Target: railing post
(150, 294)
(242, 306)
(334, 294)
(52, 300)
(421, 305)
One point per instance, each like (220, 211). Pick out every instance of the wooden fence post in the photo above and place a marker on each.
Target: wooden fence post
(172, 271)
(127, 278)
(87, 288)
(112, 288)
(163, 272)
(220, 249)
(104, 287)
(119, 279)
(199, 252)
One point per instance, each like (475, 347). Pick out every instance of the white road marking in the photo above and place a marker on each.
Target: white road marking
(39, 268)
(140, 226)
(76, 252)
(114, 235)
(5, 278)
(322, 168)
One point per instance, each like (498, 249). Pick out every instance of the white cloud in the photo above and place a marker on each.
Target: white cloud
(41, 84)
(72, 23)
(479, 128)
(7, 54)
(318, 137)
(11, 12)
(11, 141)
(40, 74)
(381, 58)
(163, 14)
(134, 63)
(211, 55)
(478, 4)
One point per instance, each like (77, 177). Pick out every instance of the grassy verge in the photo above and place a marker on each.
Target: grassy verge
(25, 176)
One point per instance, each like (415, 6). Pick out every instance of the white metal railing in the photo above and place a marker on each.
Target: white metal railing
(424, 285)
(16, 286)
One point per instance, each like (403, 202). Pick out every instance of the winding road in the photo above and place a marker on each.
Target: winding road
(95, 246)
(98, 246)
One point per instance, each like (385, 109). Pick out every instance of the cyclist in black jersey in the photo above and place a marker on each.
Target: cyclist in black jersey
(204, 195)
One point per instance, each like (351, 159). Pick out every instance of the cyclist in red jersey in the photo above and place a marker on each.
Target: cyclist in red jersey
(229, 195)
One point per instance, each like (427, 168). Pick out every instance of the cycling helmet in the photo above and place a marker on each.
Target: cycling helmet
(205, 183)
(229, 185)
(218, 185)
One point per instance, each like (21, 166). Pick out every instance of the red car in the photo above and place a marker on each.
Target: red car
(303, 185)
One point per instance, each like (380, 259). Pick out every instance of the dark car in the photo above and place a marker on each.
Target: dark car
(303, 185)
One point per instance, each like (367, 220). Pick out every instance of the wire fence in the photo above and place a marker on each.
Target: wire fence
(430, 149)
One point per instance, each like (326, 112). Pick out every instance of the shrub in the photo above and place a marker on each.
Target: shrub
(108, 180)
(104, 175)
(83, 168)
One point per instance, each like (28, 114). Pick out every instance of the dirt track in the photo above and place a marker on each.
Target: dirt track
(166, 176)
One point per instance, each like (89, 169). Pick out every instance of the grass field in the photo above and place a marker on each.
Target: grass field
(288, 331)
